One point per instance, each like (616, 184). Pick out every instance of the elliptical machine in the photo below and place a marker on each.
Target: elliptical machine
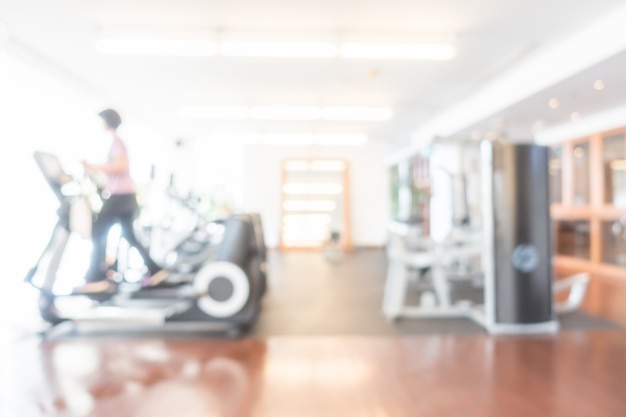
(224, 294)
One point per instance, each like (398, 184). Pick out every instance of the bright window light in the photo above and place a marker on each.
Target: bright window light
(319, 219)
(213, 113)
(156, 47)
(425, 51)
(279, 49)
(296, 165)
(357, 113)
(304, 165)
(303, 243)
(340, 139)
(286, 113)
(309, 205)
(293, 233)
(327, 166)
(312, 189)
(618, 165)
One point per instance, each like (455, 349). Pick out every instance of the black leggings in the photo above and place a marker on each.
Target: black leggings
(122, 209)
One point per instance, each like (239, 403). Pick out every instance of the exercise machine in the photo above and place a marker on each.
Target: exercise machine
(224, 294)
(516, 293)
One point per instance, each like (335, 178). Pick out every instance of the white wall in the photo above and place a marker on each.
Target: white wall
(41, 111)
(369, 186)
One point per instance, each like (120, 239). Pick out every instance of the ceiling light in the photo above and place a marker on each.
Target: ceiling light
(249, 138)
(287, 139)
(340, 139)
(575, 116)
(357, 113)
(213, 113)
(156, 47)
(286, 113)
(579, 152)
(426, 51)
(279, 49)
(554, 103)
(598, 85)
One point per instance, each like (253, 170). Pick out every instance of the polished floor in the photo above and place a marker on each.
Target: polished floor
(310, 296)
(574, 374)
(321, 348)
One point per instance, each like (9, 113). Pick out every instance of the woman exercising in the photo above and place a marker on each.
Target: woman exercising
(120, 206)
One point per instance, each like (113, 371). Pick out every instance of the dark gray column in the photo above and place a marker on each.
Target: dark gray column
(522, 243)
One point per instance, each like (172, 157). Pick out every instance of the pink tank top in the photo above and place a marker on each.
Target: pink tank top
(119, 183)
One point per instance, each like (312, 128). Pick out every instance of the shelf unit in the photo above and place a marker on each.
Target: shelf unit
(588, 192)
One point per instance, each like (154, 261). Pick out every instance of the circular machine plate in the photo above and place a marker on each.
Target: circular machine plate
(240, 293)
(525, 258)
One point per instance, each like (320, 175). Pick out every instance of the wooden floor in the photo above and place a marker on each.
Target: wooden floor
(569, 375)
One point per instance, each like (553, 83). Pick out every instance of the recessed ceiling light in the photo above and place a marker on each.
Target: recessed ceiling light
(575, 116)
(554, 103)
(598, 85)
(579, 152)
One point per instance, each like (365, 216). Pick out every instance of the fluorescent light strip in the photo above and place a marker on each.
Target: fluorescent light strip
(357, 113)
(213, 113)
(274, 49)
(156, 47)
(340, 139)
(434, 51)
(299, 139)
(278, 49)
(285, 113)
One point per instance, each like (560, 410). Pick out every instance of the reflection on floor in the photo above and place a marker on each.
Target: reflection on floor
(310, 296)
(570, 375)
(351, 368)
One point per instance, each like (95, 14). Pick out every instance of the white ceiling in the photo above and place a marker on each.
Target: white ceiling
(491, 37)
(575, 94)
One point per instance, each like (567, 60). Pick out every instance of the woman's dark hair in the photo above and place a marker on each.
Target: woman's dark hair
(111, 118)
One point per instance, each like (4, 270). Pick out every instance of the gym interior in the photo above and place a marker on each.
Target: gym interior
(295, 208)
